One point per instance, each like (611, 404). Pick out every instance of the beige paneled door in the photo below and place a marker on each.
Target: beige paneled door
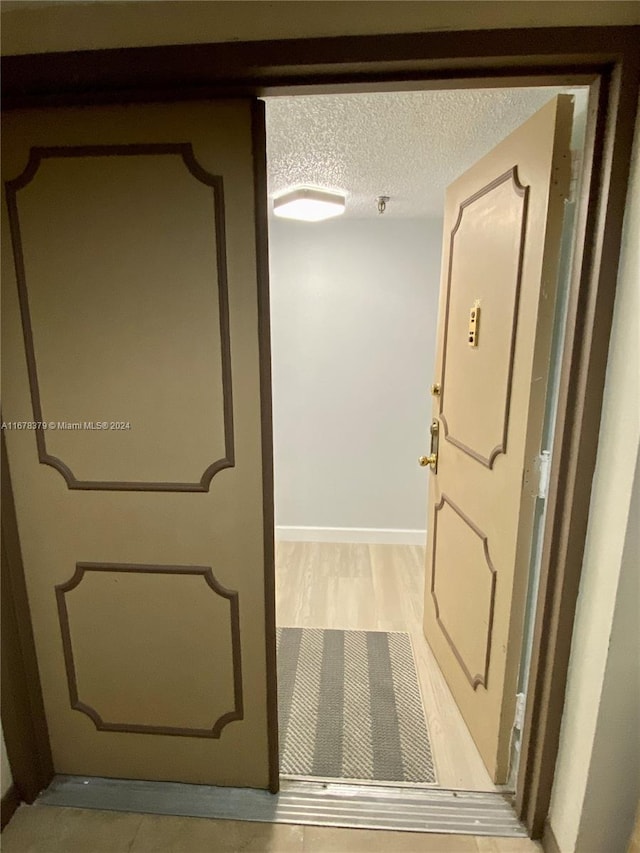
(502, 230)
(131, 407)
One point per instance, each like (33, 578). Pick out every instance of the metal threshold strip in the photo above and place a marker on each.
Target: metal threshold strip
(312, 803)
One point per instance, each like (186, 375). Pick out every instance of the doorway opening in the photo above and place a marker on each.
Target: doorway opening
(354, 320)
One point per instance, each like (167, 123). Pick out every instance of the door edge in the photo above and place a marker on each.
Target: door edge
(259, 140)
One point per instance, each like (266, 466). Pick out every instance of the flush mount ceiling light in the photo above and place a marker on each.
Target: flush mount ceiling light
(309, 204)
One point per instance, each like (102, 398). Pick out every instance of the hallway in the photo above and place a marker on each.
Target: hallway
(378, 588)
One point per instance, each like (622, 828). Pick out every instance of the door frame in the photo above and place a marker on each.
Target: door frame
(605, 59)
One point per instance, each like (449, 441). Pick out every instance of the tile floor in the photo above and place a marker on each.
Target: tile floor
(49, 829)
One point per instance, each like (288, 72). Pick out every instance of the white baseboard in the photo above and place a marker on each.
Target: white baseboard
(372, 535)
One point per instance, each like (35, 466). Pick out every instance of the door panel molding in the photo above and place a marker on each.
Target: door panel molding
(479, 678)
(134, 728)
(521, 191)
(36, 156)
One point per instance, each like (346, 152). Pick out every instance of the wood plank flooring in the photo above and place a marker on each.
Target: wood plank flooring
(378, 588)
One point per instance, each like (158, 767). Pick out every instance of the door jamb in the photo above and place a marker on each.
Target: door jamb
(584, 361)
(607, 59)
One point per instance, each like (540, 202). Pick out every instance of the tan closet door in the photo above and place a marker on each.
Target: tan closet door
(503, 223)
(130, 321)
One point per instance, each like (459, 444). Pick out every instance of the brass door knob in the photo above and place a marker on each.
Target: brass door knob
(431, 459)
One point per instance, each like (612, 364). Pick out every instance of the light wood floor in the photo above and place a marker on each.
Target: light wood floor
(378, 588)
(46, 829)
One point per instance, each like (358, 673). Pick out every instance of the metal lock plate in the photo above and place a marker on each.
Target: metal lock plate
(474, 321)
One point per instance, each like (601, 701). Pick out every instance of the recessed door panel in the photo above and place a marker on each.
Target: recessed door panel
(485, 261)
(156, 673)
(125, 287)
(464, 599)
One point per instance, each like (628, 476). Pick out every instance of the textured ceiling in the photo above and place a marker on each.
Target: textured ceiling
(407, 145)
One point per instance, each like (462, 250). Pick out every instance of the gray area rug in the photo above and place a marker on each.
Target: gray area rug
(350, 707)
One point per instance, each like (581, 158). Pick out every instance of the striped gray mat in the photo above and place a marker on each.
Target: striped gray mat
(350, 707)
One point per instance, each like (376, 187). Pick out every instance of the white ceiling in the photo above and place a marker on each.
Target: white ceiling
(407, 145)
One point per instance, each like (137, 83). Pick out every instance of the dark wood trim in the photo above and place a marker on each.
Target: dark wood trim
(264, 335)
(179, 72)
(10, 802)
(479, 678)
(184, 150)
(523, 192)
(600, 213)
(22, 708)
(65, 629)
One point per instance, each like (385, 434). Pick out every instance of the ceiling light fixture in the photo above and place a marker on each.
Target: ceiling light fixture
(309, 204)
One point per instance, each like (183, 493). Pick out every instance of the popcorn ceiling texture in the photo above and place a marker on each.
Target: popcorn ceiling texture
(407, 145)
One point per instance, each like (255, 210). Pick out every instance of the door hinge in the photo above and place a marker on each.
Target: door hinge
(519, 717)
(544, 467)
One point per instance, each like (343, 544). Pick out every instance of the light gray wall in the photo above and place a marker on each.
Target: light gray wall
(354, 311)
